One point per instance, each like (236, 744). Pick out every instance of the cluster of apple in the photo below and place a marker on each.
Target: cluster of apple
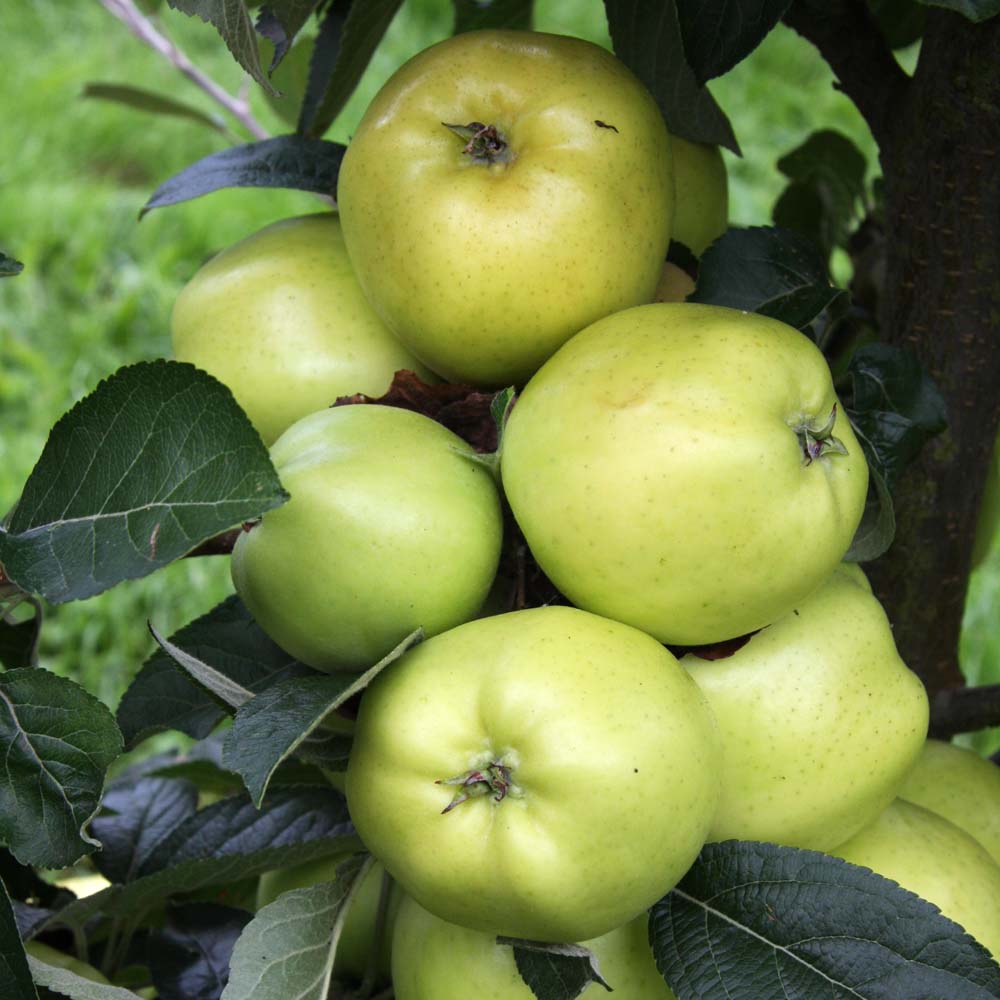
(682, 473)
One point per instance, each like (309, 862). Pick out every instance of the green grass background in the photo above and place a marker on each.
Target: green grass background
(98, 286)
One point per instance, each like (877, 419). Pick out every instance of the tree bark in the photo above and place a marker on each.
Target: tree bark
(939, 143)
(941, 299)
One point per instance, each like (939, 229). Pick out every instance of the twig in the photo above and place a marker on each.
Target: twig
(143, 29)
(850, 40)
(217, 545)
(964, 710)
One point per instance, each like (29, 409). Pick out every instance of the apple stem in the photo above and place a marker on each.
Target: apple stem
(818, 442)
(484, 143)
(494, 779)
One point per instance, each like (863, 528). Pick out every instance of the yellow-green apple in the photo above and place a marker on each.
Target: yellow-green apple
(686, 469)
(937, 860)
(435, 960)
(280, 319)
(820, 721)
(543, 774)
(392, 525)
(675, 284)
(702, 194)
(961, 786)
(358, 935)
(503, 190)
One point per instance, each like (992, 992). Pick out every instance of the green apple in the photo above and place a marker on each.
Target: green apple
(60, 960)
(357, 938)
(675, 284)
(486, 246)
(935, 859)
(392, 525)
(280, 319)
(544, 774)
(820, 720)
(961, 786)
(435, 960)
(685, 469)
(702, 194)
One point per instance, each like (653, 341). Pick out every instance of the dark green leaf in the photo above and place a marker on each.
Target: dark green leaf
(288, 161)
(24, 884)
(280, 21)
(717, 34)
(973, 10)
(15, 976)
(878, 520)
(760, 922)
(57, 742)
(902, 21)
(142, 814)
(233, 22)
(17, 643)
(164, 697)
(894, 405)
(477, 15)
(354, 39)
(9, 267)
(275, 723)
(827, 184)
(555, 971)
(224, 843)
(322, 63)
(647, 38)
(64, 983)
(189, 956)
(292, 78)
(289, 947)
(157, 459)
(771, 271)
(147, 100)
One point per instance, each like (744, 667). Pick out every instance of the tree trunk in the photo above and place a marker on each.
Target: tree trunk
(941, 161)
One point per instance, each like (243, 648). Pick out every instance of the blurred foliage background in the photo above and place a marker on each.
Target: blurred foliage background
(98, 286)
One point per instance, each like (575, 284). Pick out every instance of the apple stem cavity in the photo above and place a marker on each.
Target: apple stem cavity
(484, 143)
(494, 779)
(818, 442)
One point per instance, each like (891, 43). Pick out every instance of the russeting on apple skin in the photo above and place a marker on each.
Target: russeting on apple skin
(544, 774)
(392, 526)
(281, 320)
(937, 860)
(485, 250)
(435, 960)
(820, 719)
(961, 786)
(686, 469)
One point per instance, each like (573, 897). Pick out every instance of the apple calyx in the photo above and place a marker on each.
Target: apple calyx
(484, 143)
(495, 779)
(817, 442)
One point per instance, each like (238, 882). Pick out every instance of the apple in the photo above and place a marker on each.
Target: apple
(543, 774)
(392, 525)
(820, 720)
(60, 960)
(702, 194)
(961, 786)
(357, 937)
(675, 284)
(280, 319)
(935, 859)
(686, 469)
(503, 190)
(435, 960)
